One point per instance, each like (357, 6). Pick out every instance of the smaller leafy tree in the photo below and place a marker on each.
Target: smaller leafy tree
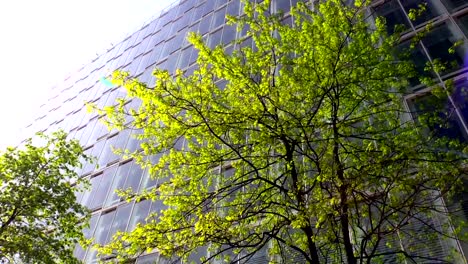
(40, 219)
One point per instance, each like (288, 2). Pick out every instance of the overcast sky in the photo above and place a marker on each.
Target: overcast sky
(42, 41)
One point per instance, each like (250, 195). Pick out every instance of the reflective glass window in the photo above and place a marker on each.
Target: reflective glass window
(166, 49)
(95, 151)
(103, 227)
(107, 155)
(133, 143)
(440, 40)
(282, 5)
(87, 232)
(152, 27)
(87, 198)
(208, 6)
(233, 8)
(433, 9)
(176, 42)
(99, 131)
(197, 14)
(144, 62)
(205, 24)
(147, 259)
(85, 170)
(184, 7)
(460, 97)
(219, 18)
(229, 34)
(393, 15)
(155, 54)
(419, 59)
(167, 17)
(139, 214)
(449, 125)
(184, 58)
(122, 215)
(104, 185)
(455, 4)
(134, 177)
(214, 38)
(150, 181)
(193, 56)
(463, 23)
(118, 183)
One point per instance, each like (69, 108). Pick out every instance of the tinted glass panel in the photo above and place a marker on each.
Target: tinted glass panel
(433, 9)
(463, 23)
(87, 199)
(118, 184)
(393, 15)
(139, 214)
(103, 227)
(448, 124)
(134, 177)
(455, 4)
(120, 220)
(440, 40)
(108, 154)
(106, 180)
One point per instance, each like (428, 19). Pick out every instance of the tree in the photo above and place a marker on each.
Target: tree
(301, 145)
(40, 220)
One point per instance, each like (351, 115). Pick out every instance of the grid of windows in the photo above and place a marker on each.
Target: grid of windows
(162, 43)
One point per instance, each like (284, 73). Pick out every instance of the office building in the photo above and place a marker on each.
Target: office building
(161, 43)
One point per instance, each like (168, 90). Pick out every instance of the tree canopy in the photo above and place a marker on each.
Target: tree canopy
(40, 220)
(300, 145)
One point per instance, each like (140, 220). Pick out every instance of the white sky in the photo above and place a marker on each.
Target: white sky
(41, 41)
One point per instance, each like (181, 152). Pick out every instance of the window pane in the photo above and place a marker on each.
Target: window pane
(440, 40)
(134, 177)
(282, 5)
(118, 183)
(448, 125)
(463, 23)
(120, 220)
(89, 195)
(393, 15)
(419, 59)
(148, 259)
(104, 185)
(433, 9)
(133, 144)
(108, 154)
(139, 214)
(103, 227)
(87, 232)
(455, 4)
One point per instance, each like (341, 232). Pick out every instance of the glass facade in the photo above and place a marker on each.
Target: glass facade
(161, 43)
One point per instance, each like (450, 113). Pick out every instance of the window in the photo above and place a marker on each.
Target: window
(393, 15)
(99, 197)
(139, 214)
(440, 40)
(133, 177)
(433, 9)
(447, 125)
(120, 220)
(87, 232)
(108, 155)
(118, 183)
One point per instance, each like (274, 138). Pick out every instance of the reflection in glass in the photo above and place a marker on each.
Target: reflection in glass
(439, 42)
(118, 183)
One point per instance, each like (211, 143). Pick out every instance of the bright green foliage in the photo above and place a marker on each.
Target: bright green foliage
(40, 220)
(328, 163)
